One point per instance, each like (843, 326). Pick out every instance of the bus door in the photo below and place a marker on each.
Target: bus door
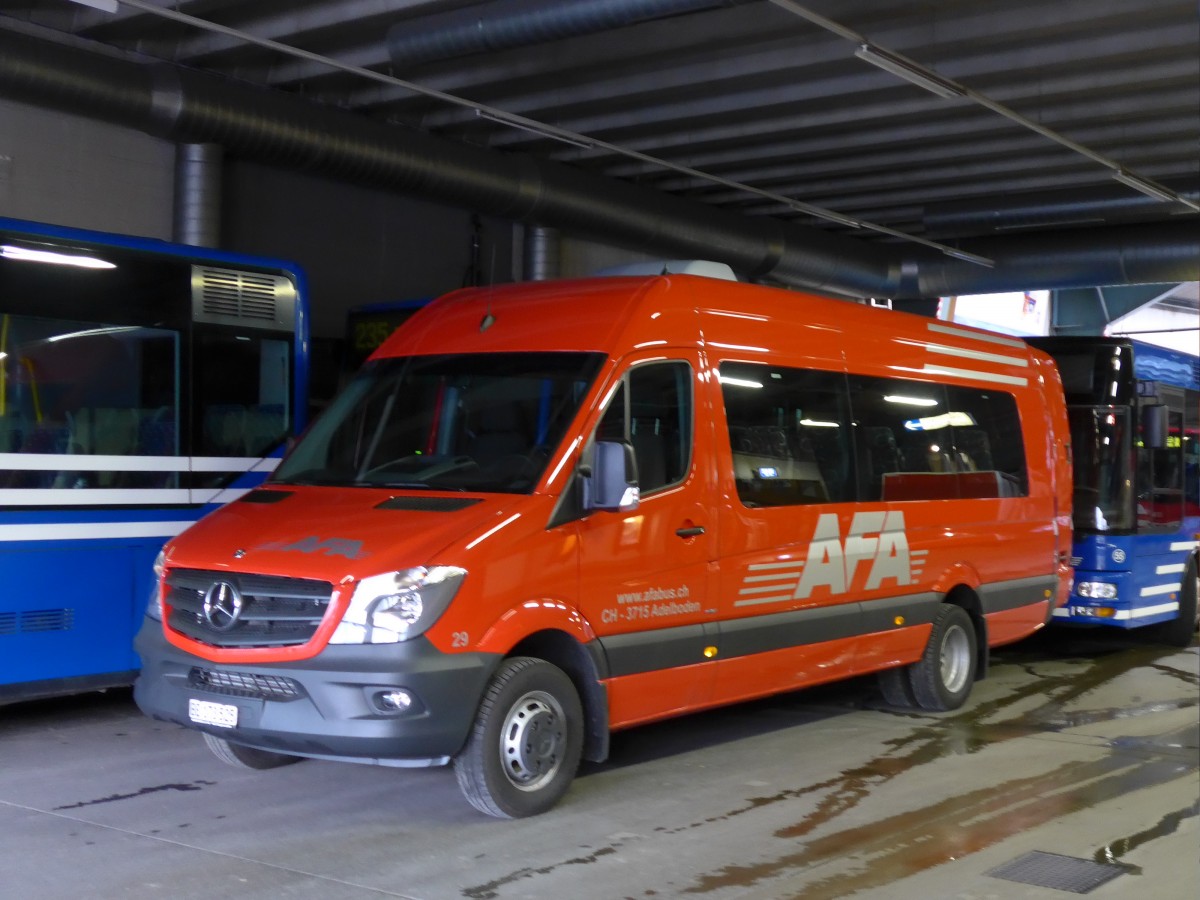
(644, 574)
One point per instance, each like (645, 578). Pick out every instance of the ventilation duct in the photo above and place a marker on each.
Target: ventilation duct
(522, 23)
(1051, 210)
(198, 194)
(280, 129)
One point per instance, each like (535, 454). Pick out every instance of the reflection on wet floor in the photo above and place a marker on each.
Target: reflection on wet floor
(1045, 687)
(901, 845)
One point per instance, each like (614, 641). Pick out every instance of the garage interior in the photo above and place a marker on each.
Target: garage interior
(881, 150)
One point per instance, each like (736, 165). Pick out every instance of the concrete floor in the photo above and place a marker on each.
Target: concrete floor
(1083, 746)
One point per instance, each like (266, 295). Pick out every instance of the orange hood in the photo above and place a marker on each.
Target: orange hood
(335, 533)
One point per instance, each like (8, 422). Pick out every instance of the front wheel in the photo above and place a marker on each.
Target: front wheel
(242, 757)
(941, 679)
(1178, 632)
(526, 743)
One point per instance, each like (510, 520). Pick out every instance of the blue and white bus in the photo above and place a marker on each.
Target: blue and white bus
(1135, 435)
(142, 384)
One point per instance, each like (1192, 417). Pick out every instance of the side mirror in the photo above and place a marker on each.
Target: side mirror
(611, 482)
(1154, 426)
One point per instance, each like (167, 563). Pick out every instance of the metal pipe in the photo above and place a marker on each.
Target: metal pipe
(542, 258)
(522, 23)
(1050, 209)
(281, 129)
(198, 194)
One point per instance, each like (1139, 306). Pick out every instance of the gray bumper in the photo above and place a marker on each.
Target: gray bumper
(327, 706)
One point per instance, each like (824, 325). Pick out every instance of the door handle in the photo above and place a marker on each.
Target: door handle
(690, 532)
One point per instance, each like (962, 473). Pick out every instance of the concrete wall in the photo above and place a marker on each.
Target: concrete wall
(357, 245)
(72, 171)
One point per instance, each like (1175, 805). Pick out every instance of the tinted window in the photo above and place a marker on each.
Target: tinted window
(652, 410)
(987, 440)
(799, 436)
(789, 432)
(921, 441)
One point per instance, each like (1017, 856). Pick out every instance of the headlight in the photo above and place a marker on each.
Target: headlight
(396, 606)
(154, 608)
(1096, 590)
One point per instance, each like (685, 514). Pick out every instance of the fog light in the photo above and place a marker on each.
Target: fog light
(396, 701)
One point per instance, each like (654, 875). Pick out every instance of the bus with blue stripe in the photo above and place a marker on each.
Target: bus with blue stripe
(1135, 434)
(142, 385)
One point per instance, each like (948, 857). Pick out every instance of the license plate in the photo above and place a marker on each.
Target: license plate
(202, 712)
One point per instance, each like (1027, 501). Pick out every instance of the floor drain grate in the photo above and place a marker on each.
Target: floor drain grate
(1063, 873)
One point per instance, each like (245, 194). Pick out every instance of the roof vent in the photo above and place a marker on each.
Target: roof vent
(702, 267)
(245, 299)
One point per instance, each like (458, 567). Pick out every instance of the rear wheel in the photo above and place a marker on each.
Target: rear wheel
(526, 743)
(242, 757)
(941, 679)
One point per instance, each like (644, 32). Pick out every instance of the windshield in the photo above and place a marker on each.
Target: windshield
(1103, 469)
(472, 422)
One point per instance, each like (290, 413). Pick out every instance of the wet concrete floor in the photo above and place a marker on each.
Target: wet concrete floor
(1084, 746)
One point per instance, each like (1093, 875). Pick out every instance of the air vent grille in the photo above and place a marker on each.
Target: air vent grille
(47, 620)
(237, 297)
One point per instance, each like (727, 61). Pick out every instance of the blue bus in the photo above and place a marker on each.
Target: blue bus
(142, 384)
(1135, 438)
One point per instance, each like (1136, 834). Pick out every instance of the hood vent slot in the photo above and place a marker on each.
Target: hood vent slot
(428, 504)
(242, 298)
(265, 496)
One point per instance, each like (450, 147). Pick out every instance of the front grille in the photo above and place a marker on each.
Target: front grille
(245, 684)
(274, 611)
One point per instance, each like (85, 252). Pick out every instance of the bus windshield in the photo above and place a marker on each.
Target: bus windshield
(1103, 452)
(476, 422)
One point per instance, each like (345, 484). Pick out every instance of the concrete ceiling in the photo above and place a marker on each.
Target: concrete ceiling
(758, 107)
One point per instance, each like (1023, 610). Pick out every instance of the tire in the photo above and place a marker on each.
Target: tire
(896, 688)
(525, 746)
(1179, 631)
(242, 757)
(941, 679)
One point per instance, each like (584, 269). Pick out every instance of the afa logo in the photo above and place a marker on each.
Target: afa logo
(874, 552)
(327, 547)
(875, 537)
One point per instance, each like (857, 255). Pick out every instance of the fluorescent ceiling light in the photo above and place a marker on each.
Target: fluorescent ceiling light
(108, 6)
(945, 420)
(909, 401)
(969, 257)
(739, 382)
(1149, 188)
(538, 128)
(909, 71)
(26, 254)
(91, 332)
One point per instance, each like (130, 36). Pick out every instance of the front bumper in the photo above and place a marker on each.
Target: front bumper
(326, 707)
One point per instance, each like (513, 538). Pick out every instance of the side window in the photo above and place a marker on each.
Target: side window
(241, 389)
(789, 433)
(74, 387)
(989, 447)
(652, 411)
(920, 441)
(1160, 477)
(903, 441)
